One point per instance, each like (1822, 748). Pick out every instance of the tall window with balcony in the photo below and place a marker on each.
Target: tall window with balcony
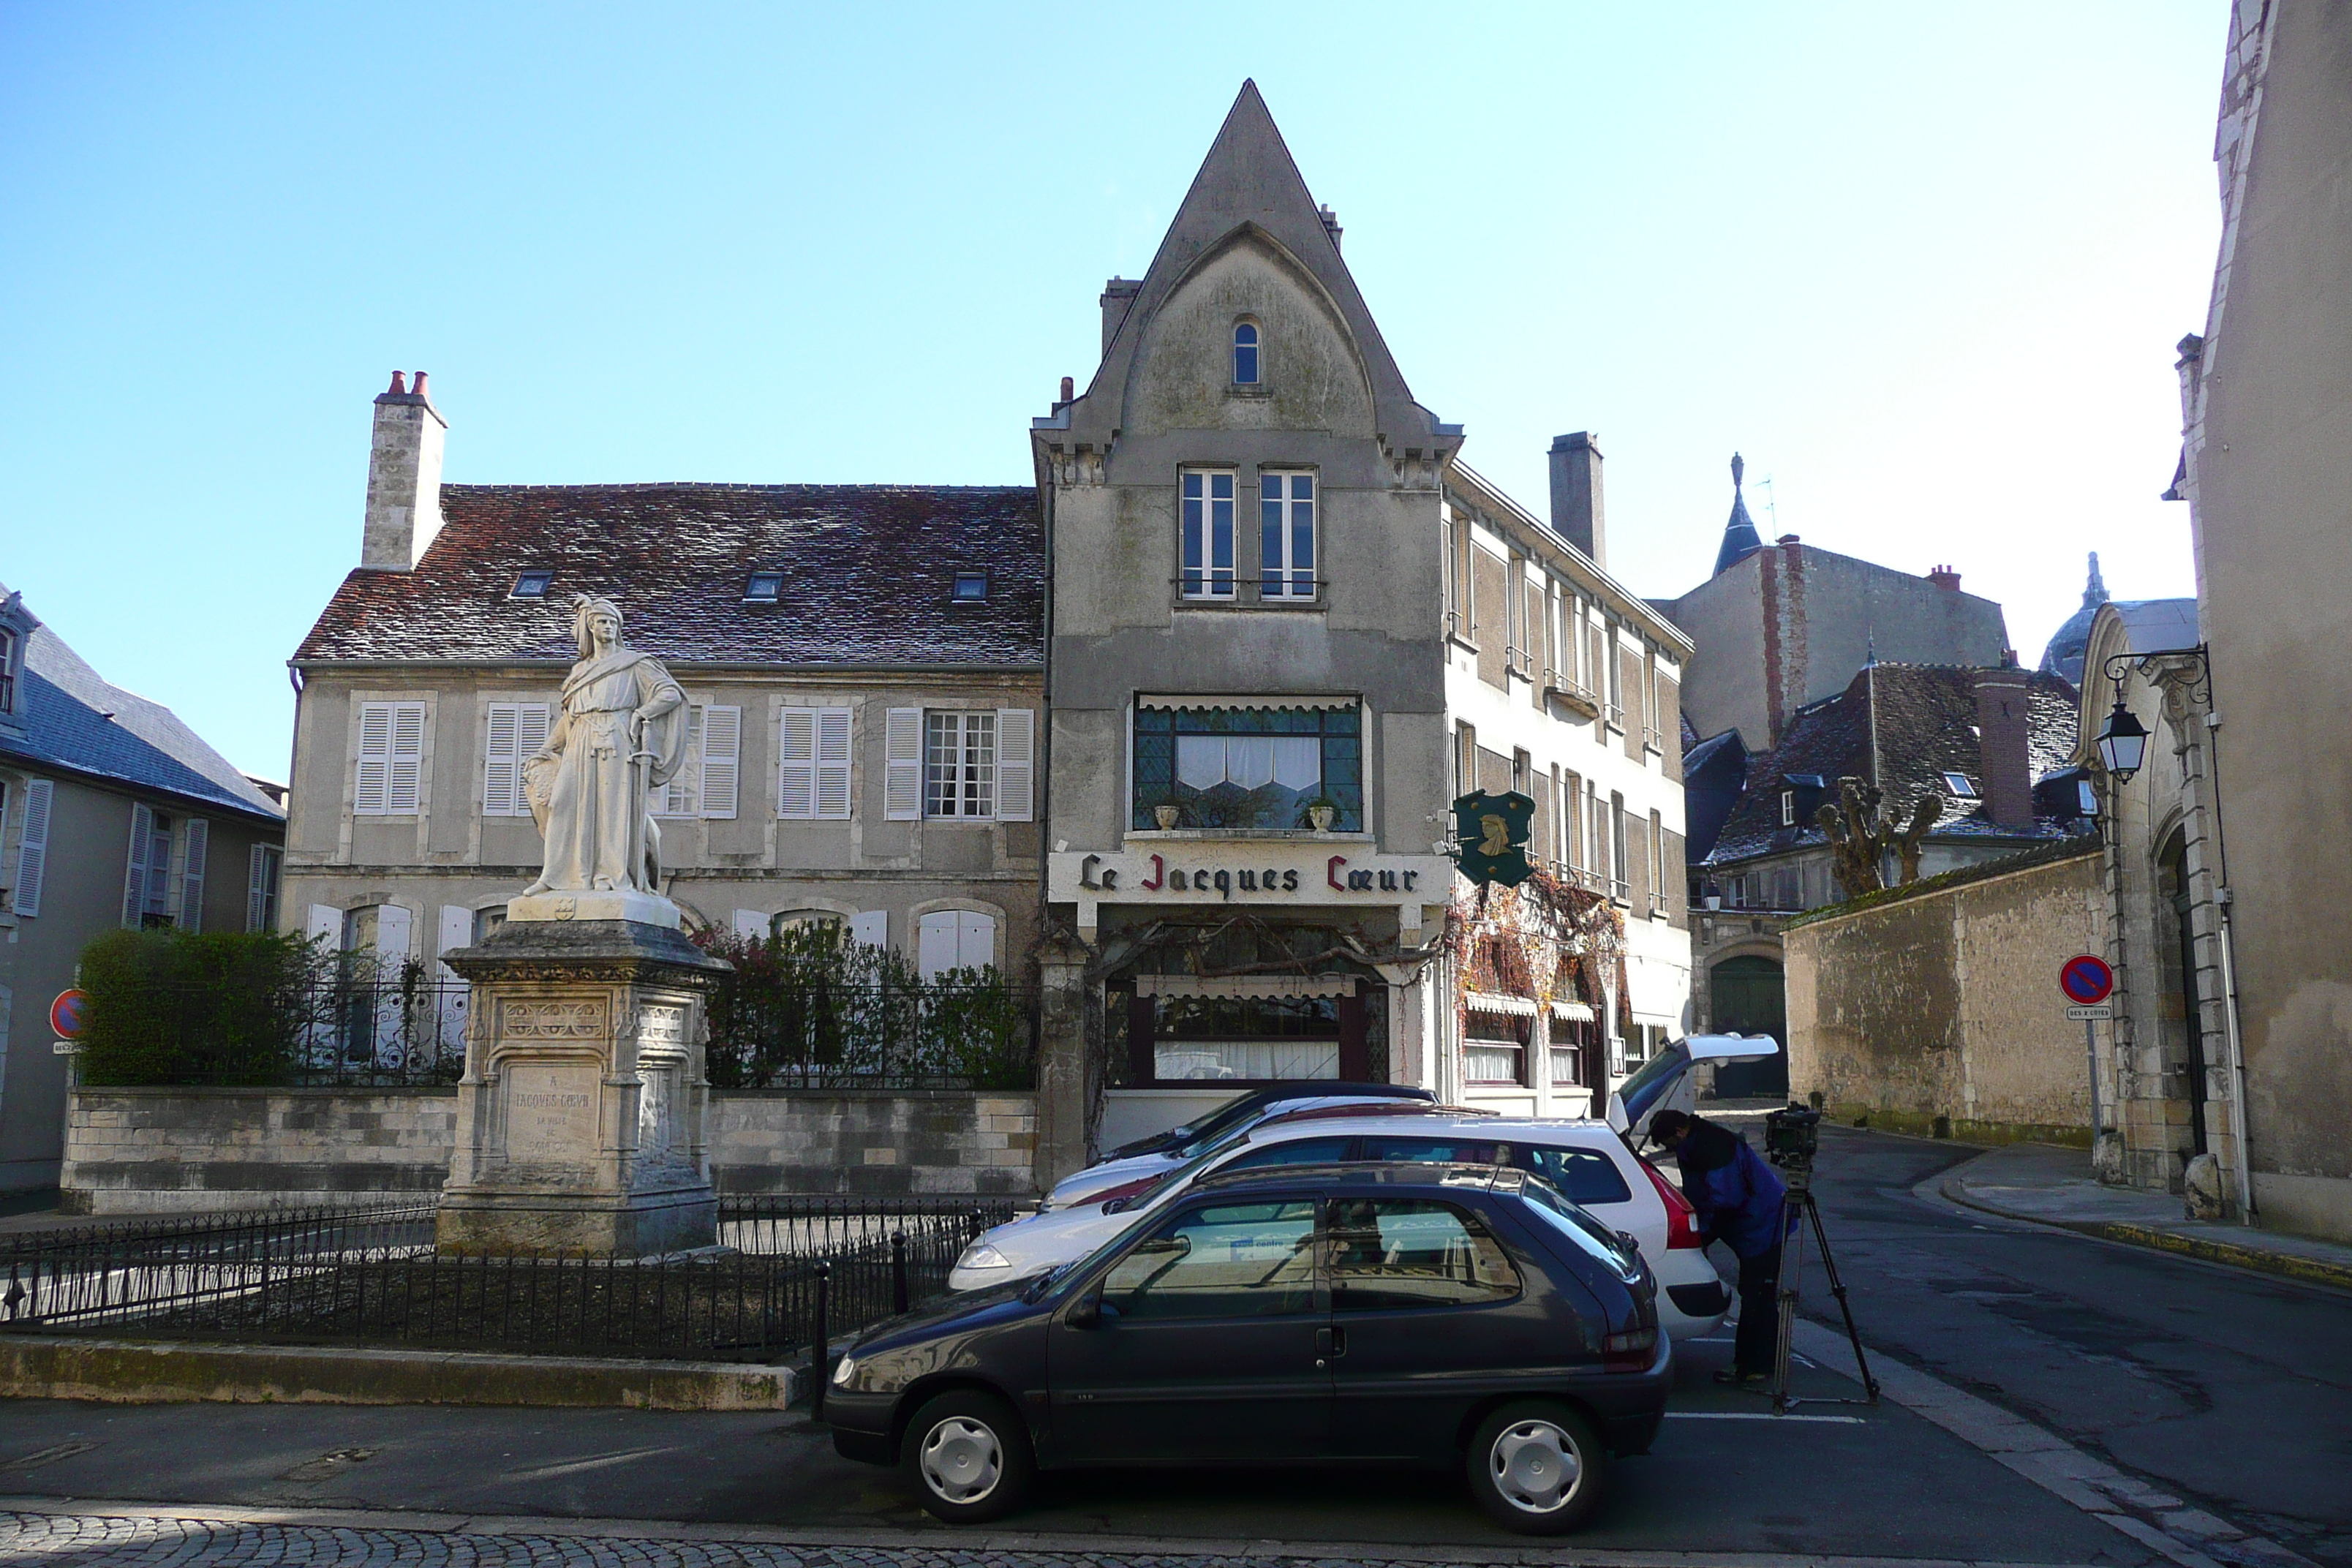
(1252, 769)
(1287, 536)
(1208, 534)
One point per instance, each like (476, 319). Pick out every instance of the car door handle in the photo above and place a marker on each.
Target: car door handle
(1331, 1343)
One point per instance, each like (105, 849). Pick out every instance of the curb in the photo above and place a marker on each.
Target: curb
(2209, 1249)
(125, 1371)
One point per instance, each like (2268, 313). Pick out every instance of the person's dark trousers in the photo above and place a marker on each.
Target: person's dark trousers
(1757, 1340)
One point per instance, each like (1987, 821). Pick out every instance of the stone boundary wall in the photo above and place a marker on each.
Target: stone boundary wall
(152, 1150)
(1945, 1005)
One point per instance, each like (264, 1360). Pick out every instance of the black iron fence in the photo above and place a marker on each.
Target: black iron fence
(370, 1275)
(883, 1036)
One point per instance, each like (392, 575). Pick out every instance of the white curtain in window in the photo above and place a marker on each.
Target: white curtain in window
(1249, 762)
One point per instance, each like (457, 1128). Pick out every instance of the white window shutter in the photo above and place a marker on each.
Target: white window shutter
(935, 944)
(502, 760)
(407, 760)
(796, 773)
(192, 875)
(392, 941)
(722, 753)
(902, 766)
(1017, 764)
(682, 796)
(256, 880)
(832, 763)
(975, 939)
(457, 930)
(134, 876)
(531, 732)
(369, 791)
(32, 848)
(751, 923)
(871, 927)
(324, 923)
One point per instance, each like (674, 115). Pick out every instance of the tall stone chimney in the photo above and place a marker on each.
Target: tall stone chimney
(1117, 296)
(2005, 762)
(403, 491)
(1576, 512)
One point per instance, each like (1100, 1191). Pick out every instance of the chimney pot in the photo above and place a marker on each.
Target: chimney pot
(1786, 539)
(418, 390)
(1069, 388)
(399, 388)
(1577, 514)
(1331, 225)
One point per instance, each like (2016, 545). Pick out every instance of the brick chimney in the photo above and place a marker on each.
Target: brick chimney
(1117, 296)
(2004, 763)
(1576, 510)
(1945, 577)
(403, 489)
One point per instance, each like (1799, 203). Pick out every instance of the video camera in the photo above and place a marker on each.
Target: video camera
(1792, 1137)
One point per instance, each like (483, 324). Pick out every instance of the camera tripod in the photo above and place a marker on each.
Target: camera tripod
(1799, 1178)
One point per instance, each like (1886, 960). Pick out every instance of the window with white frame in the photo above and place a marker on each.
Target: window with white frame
(960, 764)
(1287, 559)
(1621, 868)
(1207, 506)
(706, 782)
(147, 875)
(513, 734)
(391, 759)
(813, 783)
(9, 642)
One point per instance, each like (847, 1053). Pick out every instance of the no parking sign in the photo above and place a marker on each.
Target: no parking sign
(2087, 982)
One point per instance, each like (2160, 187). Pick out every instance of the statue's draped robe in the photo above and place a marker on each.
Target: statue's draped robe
(593, 801)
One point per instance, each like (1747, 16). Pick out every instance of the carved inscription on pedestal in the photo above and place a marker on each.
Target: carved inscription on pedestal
(551, 1111)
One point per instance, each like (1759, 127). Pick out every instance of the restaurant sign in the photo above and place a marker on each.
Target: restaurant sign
(1313, 872)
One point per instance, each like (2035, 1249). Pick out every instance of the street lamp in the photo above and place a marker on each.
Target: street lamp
(2123, 744)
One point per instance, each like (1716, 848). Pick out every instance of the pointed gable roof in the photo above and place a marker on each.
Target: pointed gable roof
(1248, 179)
(1740, 539)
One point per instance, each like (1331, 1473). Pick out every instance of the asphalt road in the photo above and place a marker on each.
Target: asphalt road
(2233, 1391)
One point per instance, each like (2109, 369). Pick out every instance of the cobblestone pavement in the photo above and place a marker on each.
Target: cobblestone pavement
(90, 1541)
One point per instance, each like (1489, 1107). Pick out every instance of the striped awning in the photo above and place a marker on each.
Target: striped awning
(1574, 1012)
(1488, 1002)
(1246, 985)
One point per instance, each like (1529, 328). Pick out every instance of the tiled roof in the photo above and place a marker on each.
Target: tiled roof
(75, 721)
(867, 569)
(1926, 726)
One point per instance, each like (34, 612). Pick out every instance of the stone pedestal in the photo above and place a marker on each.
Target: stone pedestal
(580, 1119)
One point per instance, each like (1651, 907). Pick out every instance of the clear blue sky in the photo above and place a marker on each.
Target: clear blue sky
(1924, 265)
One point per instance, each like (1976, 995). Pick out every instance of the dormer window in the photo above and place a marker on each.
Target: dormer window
(1788, 808)
(764, 588)
(1959, 785)
(531, 586)
(971, 587)
(1245, 353)
(8, 641)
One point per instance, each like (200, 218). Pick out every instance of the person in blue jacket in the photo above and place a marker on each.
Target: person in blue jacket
(1740, 1202)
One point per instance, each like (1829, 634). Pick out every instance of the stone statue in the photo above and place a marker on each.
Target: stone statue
(622, 735)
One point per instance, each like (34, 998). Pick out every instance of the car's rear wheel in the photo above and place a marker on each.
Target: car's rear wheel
(968, 1455)
(1537, 1468)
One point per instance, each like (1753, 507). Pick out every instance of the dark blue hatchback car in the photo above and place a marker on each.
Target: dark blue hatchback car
(1416, 1314)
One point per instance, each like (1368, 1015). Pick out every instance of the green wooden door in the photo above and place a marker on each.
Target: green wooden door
(1747, 997)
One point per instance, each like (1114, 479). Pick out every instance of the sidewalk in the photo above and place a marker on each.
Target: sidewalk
(2051, 1186)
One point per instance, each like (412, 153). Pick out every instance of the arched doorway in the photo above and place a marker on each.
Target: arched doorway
(2175, 946)
(1746, 996)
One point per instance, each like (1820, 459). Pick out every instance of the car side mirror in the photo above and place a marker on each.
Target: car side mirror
(1090, 1311)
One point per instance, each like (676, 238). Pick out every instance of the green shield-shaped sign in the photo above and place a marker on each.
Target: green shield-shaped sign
(1493, 830)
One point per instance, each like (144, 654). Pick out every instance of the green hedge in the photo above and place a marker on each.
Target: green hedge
(177, 1007)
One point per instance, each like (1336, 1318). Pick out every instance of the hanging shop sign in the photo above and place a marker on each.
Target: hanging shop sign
(1248, 873)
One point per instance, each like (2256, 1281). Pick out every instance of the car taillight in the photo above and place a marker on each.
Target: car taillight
(1682, 1220)
(1629, 1352)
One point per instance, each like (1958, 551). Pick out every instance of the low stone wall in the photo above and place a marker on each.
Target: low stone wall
(873, 1141)
(150, 1151)
(1944, 1003)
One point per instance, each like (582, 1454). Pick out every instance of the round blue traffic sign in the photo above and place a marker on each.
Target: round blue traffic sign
(2087, 981)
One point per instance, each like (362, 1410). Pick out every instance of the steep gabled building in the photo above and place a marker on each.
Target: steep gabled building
(1289, 624)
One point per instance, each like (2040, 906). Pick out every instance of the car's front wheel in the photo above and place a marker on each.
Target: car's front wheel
(968, 1455)
(1537, 1468)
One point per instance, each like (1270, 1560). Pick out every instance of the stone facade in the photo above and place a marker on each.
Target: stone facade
(1942, 1001)
(151, 1151)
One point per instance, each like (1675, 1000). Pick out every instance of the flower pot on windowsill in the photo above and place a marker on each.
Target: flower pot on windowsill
(1167, 816)
(1320, 817)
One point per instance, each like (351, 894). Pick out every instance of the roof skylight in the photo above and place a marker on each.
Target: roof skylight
(531, 586)
(764, 588)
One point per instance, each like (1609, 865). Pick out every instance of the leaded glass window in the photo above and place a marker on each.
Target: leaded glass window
(1250, 768)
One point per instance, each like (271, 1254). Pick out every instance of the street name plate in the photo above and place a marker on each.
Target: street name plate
(2100, 1013)
(551, 1112)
